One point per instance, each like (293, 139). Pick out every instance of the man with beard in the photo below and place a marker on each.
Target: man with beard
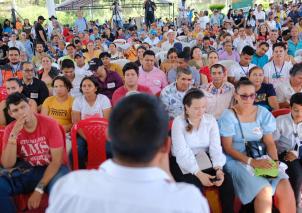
(12, 68)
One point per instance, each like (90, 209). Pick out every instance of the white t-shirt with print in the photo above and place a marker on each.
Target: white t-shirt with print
(101, 103)
(277, 75)
(238, 71)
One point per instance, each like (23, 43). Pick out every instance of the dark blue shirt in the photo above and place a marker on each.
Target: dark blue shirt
(262, 95)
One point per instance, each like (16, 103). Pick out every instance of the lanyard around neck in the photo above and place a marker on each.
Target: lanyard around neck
(245, 73)
(278, 74)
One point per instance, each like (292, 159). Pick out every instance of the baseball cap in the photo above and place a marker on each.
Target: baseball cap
(41, 18)
(94, 64)
(78, 54)
(153, 32)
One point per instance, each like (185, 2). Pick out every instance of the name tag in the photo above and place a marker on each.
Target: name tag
(157, 82)
(34, 95)
(111, 85)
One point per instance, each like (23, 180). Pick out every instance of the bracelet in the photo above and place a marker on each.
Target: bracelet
(249, 160)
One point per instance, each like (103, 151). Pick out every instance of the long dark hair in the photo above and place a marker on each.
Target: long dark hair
(193, 93)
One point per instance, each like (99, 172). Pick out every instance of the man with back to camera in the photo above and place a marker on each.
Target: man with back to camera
(137, 178)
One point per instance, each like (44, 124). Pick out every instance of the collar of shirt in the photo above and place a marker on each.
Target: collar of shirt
(134, 173)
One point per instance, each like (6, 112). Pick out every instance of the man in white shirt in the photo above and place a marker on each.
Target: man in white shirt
(286, 89)
(137, 178)
(15, 43)
(152, 40)
(219, 92)
(81, 67)
(259, 14)
(288, 138)
(242, 68)
(171, 35)
(242, 40)
(277, 70)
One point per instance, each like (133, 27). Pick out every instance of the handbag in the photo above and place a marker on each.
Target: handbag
(254, 149)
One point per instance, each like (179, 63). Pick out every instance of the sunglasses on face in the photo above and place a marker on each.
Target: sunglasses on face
(246, 97)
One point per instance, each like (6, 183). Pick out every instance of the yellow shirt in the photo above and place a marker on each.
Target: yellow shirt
(61, 112)
(88, 58)
(116, 68)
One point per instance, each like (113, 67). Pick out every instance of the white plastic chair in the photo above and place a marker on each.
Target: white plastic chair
(161, 56)
(156, 49)
(120, 41)
(227, 63)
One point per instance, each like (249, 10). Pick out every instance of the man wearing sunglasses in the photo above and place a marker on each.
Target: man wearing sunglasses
(33, 88)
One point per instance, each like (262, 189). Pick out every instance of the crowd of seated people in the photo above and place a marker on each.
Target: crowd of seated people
(219, 81)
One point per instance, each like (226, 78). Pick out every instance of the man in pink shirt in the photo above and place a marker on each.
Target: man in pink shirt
(131, 85)
(149, 75)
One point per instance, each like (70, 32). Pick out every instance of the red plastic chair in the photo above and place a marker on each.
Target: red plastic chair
(3, 93)
(94, 130)
(279, 112)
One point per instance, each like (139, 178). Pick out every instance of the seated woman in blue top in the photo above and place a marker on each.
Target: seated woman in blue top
(196, 140)
(265, 93)
(257, 122)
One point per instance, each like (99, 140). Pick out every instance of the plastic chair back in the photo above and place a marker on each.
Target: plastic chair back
(3, 93)
(94, 130)
(279, 112)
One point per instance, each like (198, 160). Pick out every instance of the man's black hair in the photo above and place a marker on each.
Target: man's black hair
(248, 50)
(296, 99)
(105, 54)
(149, 52)
(129, 66)
(138, 127)
(15, 99)
(67, 63)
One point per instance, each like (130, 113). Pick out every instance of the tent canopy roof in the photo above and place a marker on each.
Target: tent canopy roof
(77, 4)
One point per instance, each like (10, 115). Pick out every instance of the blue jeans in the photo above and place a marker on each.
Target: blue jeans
(23, 184)
(82, 152)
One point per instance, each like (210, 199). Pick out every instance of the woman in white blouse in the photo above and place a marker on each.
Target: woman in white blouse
(195, 137)
(89, 104)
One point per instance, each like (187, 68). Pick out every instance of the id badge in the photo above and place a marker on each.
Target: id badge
(111, 85)
(34, 95)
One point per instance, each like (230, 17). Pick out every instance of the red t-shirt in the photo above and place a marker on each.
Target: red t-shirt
(206, 72)
(35, 147)
(122, 91)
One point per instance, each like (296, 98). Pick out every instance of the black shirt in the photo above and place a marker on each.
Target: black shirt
(37, 90)
(262, 95)
(3, 54)
(237, 19)
(39, 27)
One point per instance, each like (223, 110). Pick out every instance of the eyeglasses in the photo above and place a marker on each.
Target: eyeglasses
(28, 70)
(246, 97)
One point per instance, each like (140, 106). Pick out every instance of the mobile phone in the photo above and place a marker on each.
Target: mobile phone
(215, 179)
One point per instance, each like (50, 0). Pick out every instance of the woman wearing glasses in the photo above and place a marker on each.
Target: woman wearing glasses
(265, 93)
(257, 123)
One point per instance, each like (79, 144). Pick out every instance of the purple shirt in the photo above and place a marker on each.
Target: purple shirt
(111, 83)
(223, 55)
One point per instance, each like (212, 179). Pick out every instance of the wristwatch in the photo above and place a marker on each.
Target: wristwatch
(40, 188)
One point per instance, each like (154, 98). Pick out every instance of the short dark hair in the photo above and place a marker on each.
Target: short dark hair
(206, 38)
(138, 127)
(216, 66)
(248, 50)
(279, 44)
(129, 66)
(264, 43)
(17, 80)
(112, 44)
(149, 52)
(65, 81)
(71, 45)
(243, 82)
(14, 49)
(297, 68)
(67, 63)
(94, 81)
(15, 99)
(296, 99)
(184, 54)
(105, 54)
(24, 63)
(141, 47)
